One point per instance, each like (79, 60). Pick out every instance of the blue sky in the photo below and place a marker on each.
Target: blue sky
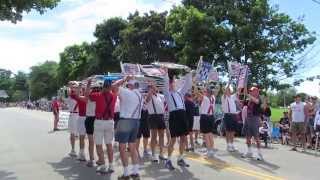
(38, 38)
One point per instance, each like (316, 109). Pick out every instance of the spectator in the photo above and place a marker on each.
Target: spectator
(266, 111)
(284, 125)
(263, 131)
(55, 109)
(298, 118)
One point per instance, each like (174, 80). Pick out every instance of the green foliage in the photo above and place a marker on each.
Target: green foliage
(43, 80)
(145, 40)
(283, 98)
(108, 39)
(12, 10)
(74, 63)
(255, 34)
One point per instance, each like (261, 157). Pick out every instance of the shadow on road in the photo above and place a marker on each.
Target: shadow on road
(5, 175)
(264, 165)
(72, 169)
(158, 171)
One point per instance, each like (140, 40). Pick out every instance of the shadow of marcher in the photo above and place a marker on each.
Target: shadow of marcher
(264, 165)
(72, 169)
(6, 175)
(213, 163)
(159, 171)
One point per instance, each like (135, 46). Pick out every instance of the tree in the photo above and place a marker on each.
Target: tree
(195, 35)
(43, 80)
(12, 10)
(108, 38)
(5, 79)
(252, 33)
(145, 39)
(74, 63)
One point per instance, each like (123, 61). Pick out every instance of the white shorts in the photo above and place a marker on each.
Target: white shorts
(196, 123)
(72, 123)
(81, 125)
(103, 131)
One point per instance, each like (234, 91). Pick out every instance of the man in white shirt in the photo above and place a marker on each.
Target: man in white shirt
(207, 108)
(230, 111)
(131, 102)
(155, 107)
(298, 116)
(178, 123)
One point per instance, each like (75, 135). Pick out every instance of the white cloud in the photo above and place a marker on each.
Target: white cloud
(78, 25)
(28, 24)
(311, 88)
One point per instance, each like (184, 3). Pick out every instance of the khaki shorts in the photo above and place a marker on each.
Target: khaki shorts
(297, 127)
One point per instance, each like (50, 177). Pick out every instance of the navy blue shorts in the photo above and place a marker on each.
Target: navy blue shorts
(127, 130)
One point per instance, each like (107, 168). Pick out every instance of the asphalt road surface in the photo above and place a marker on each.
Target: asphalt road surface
(30, 151)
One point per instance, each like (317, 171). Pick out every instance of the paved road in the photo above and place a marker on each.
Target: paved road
(29, 151)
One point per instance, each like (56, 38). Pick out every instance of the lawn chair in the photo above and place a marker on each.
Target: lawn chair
(275, 134)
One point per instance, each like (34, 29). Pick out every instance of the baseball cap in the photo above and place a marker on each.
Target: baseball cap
(254, 88)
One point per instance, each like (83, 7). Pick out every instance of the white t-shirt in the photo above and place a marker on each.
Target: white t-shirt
(71, 104)
(131, 102)
(117, 105)
(91, 108)
(317, 119)
(229, 104)
(297, 110)
(207, 104)
(156, 104)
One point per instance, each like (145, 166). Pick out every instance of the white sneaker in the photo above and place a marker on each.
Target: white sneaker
(73, 153)
(110, 169)
(90, 164)
(259, 157)
(229, 148)
(210, 154)
(81, 157)
(102, 170)
(233, 149)
(247, 155)
(154, 159)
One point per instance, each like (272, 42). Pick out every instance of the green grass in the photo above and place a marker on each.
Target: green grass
(276, 114)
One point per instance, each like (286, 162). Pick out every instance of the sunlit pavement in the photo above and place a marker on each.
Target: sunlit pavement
(30, 151)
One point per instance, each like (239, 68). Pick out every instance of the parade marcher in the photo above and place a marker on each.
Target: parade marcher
(73, 117)
(196, 122)
(190, 112)
(131, 102)
(155, 107)
(178, 123)
(230, 112)
(55, 109)
(116, 109)
(144, 133)
(207, 108)
(298, 118)
(252, 122)
(81, 129)
(104, 124)
(89, 124)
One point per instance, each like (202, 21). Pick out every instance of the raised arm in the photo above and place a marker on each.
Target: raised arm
(187, 84)
(166, 90)
(120, 82)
